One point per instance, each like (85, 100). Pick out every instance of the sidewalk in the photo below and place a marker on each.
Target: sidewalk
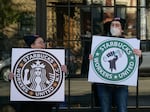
(81, 98)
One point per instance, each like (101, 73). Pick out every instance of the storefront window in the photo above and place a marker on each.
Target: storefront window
(70, 25)
(131, 23)
(127, 2)
(147, 25)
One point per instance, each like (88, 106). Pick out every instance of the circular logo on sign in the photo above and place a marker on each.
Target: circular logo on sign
(38, 74)
(114, 60)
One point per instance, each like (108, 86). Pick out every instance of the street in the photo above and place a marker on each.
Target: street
(80, 92)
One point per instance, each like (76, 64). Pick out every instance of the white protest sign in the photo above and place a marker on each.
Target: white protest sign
(114, 61)
(37, 75)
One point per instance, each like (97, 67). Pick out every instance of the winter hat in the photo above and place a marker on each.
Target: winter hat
(106, 28)
(122, 21)
(30, 39)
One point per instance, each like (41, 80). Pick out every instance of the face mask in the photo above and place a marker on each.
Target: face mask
(115, 31)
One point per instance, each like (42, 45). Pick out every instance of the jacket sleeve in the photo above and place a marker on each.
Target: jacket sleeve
(141, 58)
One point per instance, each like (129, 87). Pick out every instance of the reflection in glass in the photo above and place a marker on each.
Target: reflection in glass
(143, 23)
(148, 24)
(127, 2)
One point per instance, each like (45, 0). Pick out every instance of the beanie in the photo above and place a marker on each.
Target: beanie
(30, 39)
(106, 28)
(122, 21)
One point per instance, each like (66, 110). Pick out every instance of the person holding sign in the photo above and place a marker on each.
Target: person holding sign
(35, 78)
(108, 93)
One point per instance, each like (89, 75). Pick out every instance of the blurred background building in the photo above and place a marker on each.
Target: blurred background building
(70, 24)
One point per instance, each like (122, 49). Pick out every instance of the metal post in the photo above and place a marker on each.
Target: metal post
(41, 18)
(138, 36)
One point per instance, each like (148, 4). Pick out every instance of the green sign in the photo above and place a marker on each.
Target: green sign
(114, 60)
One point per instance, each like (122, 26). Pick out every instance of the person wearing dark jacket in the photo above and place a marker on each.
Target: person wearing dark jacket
(107, 93)
(36, 42)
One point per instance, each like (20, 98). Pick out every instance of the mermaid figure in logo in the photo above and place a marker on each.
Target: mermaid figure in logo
(37, 80)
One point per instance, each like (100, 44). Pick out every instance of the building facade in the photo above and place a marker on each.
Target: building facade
(70, 24)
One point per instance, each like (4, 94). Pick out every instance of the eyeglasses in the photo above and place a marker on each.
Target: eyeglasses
(115, 24)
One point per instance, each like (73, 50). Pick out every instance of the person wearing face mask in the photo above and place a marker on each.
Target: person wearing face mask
(117, 27)
(110, 94)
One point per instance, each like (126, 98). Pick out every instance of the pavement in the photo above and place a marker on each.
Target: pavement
(81, 98)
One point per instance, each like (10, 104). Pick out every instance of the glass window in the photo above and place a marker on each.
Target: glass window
(17, 17)
(70, 25)
(147, 25)
(108, 2)
(131, 22)
(126, 2)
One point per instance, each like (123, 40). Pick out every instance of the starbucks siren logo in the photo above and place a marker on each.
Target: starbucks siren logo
(38, 74)
(114, 60)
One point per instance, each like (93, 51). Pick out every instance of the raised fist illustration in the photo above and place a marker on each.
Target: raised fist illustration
(112, 57)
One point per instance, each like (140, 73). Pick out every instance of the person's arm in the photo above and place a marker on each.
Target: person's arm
(90, 56)
(138, 52)
(64, 68)
(10, 76)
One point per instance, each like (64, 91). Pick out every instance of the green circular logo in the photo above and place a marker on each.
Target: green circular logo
(114, 60)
